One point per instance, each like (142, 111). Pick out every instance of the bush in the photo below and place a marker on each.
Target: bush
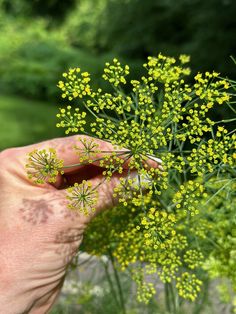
(24, 122)
(136, 29)
(55, 10)
(32, 57)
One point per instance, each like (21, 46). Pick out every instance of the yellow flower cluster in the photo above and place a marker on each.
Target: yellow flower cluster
(43, 166)
(193, 258)
(151, 243)
(164, 223)
(87, 150)
(82, 197)
(76, 85)
(113, 162)
(72, 121)
(114, 73)
(153, 236)
(186, 200)
(212, 153)
(188, 286)
(210, 91)
(164, 70)
(119, 103)
(162, 112)
(145, 290)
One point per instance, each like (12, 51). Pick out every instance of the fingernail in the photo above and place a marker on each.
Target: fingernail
(158, 160)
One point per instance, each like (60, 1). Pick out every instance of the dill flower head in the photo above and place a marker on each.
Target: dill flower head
(157, 118)
(87, 149)
(43, 166)
(145, 290)
(71, 119)
(114, 73)
(82, 197)
(76, 84)
(188, 286)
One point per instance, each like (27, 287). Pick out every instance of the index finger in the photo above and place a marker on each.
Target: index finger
(71, 149)
(76, 152)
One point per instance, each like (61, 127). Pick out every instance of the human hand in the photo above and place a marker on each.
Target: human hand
(39, 235)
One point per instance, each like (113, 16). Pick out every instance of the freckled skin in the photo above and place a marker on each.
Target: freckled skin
(39, 235)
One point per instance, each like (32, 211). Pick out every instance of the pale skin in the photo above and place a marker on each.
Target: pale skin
(39, 235)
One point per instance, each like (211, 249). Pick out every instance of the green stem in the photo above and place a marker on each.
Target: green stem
(117, 278)
(98, 159)
(225, 121)
(173, 299)
(203, 301)
(111, 283)
(218, 191)
(167, 298)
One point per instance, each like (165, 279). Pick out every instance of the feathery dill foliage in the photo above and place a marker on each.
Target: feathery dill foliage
(178, 229)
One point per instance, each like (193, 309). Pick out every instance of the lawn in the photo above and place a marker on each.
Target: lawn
(24, 121)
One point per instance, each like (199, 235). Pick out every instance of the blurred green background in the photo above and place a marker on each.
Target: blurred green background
(41, 39)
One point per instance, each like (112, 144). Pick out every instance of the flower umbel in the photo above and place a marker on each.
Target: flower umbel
(188, 286)
(73, 120)
(87, 149)
(76, 84)
(82, 197)
(44, 166)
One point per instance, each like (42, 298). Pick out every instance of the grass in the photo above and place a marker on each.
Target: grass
(24, 121)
